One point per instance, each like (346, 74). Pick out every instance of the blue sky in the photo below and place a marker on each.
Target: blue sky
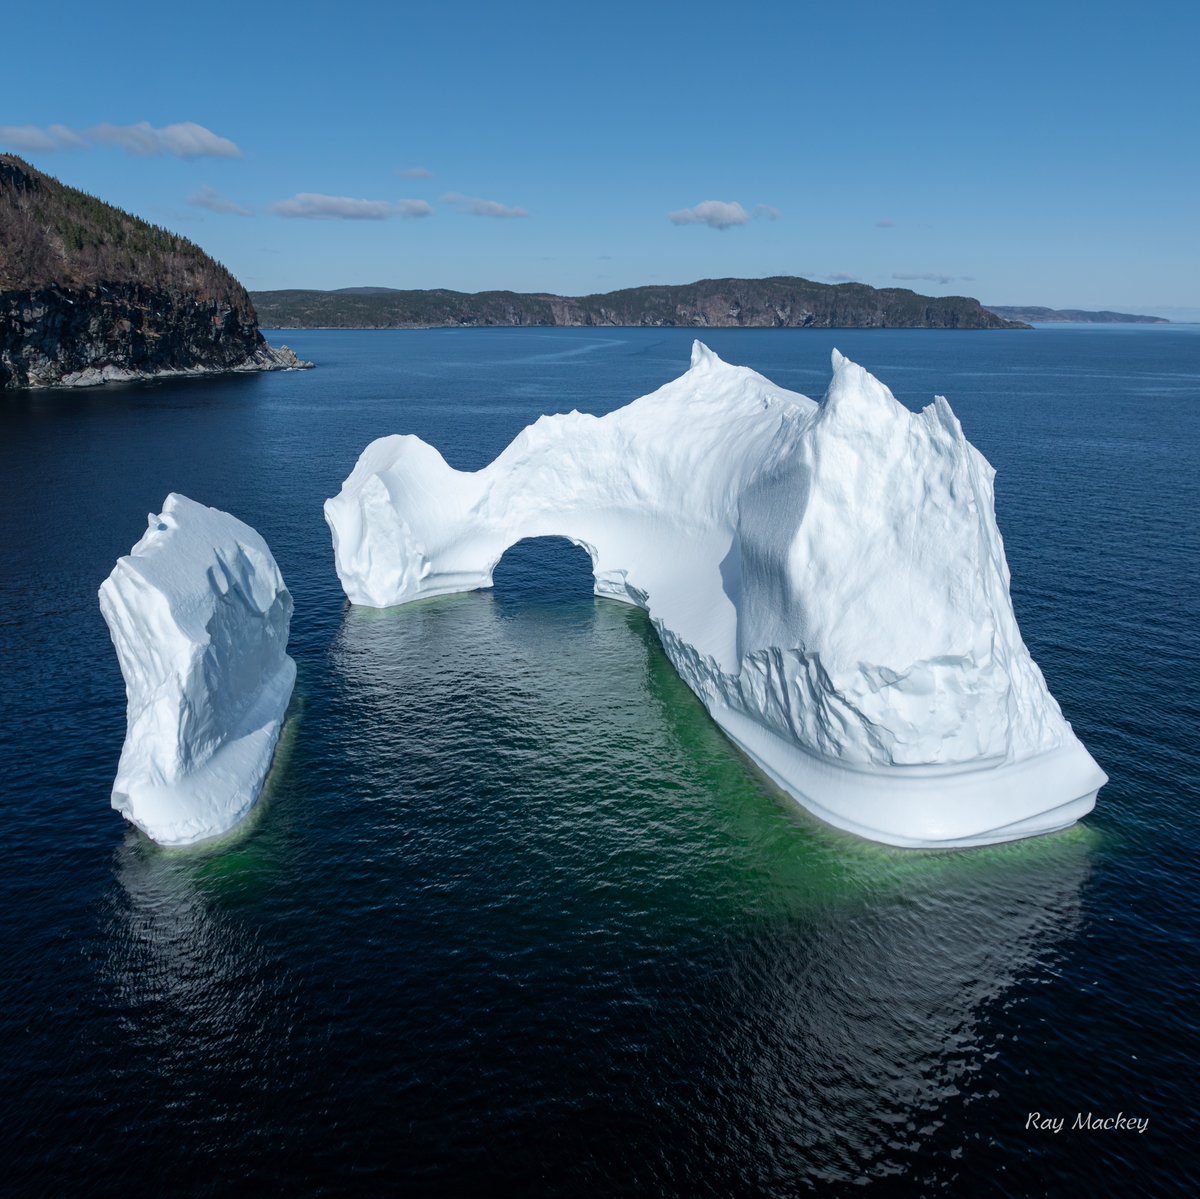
(1023, 153)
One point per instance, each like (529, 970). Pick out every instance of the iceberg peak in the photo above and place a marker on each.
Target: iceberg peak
(702, 357)
(854, 390)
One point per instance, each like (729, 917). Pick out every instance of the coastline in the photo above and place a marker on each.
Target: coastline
(275, 328)
(268, 358)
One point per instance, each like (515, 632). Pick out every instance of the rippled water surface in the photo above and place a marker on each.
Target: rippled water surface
(513, 917)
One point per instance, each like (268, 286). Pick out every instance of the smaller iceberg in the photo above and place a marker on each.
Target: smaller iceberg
(199, 616)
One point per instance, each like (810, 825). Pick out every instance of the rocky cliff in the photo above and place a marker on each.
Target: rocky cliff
(89, 294)
(780, 302)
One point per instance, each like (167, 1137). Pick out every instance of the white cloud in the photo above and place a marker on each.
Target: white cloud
(477, 207)
(35, 140)
(184, 140)
(210, 198)
(933, 277)
(315, 207)
(67, 139)
(29, 138)
(767, 211)
(886, 223)
(716, 214)
(841, 277)
(415, 173)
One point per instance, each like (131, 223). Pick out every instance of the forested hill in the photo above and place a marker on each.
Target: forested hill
(53, 235)
(785, 302)
(89, 293)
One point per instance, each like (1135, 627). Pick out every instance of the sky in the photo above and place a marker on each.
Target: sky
(1024, 153)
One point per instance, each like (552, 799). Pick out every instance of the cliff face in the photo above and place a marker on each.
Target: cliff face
(77, 336)
(781, 302)
(89, 293)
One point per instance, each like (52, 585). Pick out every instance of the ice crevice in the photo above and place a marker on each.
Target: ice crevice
(827, 577)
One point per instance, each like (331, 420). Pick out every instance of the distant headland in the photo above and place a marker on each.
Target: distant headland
(1072, 316)
(780, 302)
(91, 294)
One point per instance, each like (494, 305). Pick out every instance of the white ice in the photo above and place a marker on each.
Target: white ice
(828, 578)
(199, 616)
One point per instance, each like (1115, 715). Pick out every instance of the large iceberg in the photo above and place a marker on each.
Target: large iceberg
(828, 578)
(199, 616)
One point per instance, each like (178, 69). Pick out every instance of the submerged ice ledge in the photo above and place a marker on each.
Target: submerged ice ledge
(199, 616)
(828, 579)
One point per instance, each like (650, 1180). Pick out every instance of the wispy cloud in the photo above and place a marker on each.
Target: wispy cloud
(35, 140)
(313, 206)
(932, 277)
(841, 277)
(210, 198)
(415, 173)
(185, 139)
(478, 207)
(886, 223)
(716, 214)
(766, 212)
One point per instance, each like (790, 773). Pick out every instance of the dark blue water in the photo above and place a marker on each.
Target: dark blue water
(513, 917)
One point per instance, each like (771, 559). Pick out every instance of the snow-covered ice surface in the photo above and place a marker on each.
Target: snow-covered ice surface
(828, 578)
(199, 616)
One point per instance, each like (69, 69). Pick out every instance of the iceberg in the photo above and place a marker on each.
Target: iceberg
(827, 577)
(199, 616)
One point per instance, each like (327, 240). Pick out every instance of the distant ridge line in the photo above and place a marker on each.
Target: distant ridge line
(779, 302)
(1034, 314)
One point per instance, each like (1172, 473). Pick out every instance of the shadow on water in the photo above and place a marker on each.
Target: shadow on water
(618, 957)
(613, 847)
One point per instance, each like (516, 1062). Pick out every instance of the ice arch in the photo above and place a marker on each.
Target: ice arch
(544, 570)
(828, 578)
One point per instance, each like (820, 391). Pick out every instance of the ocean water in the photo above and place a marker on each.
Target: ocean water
(512, 916)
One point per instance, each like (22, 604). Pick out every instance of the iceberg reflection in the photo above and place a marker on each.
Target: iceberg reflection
(828, 1001)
